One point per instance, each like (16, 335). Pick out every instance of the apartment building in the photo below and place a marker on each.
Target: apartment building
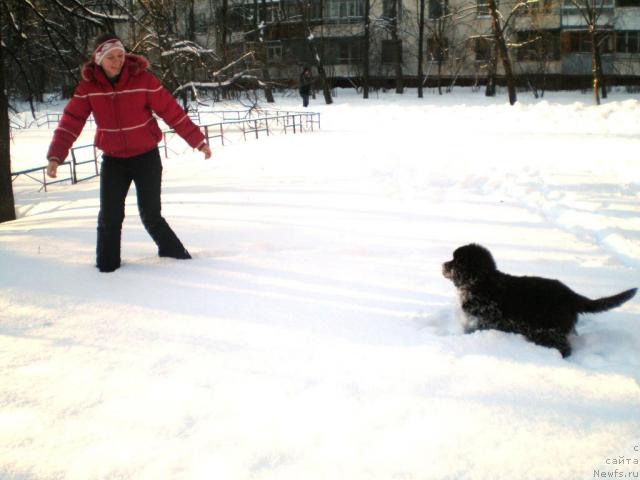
(548, 39)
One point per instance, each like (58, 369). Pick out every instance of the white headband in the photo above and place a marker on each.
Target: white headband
(104, 48)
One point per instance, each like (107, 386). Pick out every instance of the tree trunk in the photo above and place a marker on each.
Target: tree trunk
(264, 54)
(603, 83)
(421, 48)
(598, 64)
(7, 206)
(191, 21)
(224, 30)
(595, 73)
(268, 91)
(398, 47)
(326, 91)
(490, 90)
(133, 38)
(502, 49)
(365, 49)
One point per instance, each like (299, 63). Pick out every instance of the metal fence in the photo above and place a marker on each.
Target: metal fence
(233, 125)
(265, 122)
(81, 168)
(48, 119)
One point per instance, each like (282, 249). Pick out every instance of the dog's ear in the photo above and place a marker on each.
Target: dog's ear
(483, 258)
(473, 263)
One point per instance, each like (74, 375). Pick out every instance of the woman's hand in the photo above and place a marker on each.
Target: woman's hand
(52, 168)
(204, 148)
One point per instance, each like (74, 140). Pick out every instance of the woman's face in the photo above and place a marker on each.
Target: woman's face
(112, 63)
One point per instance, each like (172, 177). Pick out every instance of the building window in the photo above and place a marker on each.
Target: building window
(274, 51)
(388, 8)
(538, 46)
(600, 4)
(312, 9)
(289, 10)
(349, 51)
(239, 17)
(538, 7)
(341, 50)
(580, 42)
(316, 10)
(344, 9)
(390, 51)
(529, 43)
(437, 49)
(628, 3)
(202, 24)
(438, 8)
(483, 49)
(274, 13)
(299, 50)
(482, 8)
(628, 42)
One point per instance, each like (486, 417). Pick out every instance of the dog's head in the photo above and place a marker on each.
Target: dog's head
(471, 264)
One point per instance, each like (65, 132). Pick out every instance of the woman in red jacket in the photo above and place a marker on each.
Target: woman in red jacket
(123, 95)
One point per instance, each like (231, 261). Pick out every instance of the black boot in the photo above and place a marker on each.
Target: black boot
(108, 250)
(179, 254)
(169, 245)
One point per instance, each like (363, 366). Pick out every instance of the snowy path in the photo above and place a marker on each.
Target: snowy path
(313, 335)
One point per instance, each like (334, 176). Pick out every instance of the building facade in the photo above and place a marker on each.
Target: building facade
(549, 40)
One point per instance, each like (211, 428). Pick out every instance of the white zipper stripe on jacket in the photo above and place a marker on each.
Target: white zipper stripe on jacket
(68, 131)
(181, 120)
(123, 129)
(136, 126)
(136, 90)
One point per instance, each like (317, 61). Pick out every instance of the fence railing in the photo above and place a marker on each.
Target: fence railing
(77, 173)
(47, 119)
(267, 123)
(41, 177)
(77, 164)
(234, 124)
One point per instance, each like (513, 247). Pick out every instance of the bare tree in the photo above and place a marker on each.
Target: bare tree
(263, 51)
(591, 12)
(7, 206)
(394, 25)
(492, 69)
(366, 40)
(536, 46)
(421, 46)
(41, 36)
(160, 23)
(440, 30)
(182, 64)
(502, 51)
(223, 30)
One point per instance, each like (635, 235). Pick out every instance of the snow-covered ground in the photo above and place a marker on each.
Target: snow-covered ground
(313, 335)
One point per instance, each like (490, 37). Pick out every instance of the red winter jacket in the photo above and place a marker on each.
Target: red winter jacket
(123, 112)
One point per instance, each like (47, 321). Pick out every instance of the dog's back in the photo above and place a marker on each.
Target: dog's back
(548, 303)
(539, 302)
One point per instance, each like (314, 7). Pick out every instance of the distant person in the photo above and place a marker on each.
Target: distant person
(123, 95)
(305, 85)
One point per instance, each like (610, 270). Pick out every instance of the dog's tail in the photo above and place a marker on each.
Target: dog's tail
(607, 303)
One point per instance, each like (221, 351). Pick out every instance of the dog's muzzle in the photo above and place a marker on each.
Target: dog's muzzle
(446, 270)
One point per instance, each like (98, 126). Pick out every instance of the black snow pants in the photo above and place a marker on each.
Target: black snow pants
(116, 176)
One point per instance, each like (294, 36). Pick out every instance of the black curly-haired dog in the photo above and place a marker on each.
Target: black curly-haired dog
(543, 310)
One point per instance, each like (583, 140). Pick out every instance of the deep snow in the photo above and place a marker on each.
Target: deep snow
(313, 335)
